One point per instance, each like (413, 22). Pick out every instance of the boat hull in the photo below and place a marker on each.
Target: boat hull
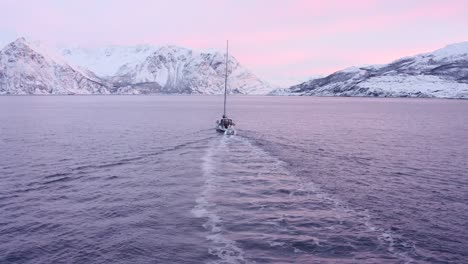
(226, 131)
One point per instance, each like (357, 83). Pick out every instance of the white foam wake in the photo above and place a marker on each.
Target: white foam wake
(252, 163)
(224, 248)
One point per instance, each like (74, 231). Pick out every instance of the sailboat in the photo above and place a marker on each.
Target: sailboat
(225, 125)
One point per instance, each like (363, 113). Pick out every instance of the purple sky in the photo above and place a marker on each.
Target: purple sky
(278, 40)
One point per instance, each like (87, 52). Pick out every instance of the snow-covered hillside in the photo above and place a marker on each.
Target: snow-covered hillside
(106, 61)
(166, 69)
(442, 73)
(172, 69)
(27, 68)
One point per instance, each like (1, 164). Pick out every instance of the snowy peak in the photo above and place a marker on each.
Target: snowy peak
(453, 51)
(174, 51)
(442, 73)
(22, 45)
(30, 68)
(106, 61)
(172, 69)
(217, 61)
(166, 69)
(18, 44)
(27, 68)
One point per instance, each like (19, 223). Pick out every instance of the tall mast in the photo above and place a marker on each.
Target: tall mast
(226, 76)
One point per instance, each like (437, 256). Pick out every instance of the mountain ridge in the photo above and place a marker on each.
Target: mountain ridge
(442, 73)
(30, 68)
(141, 69)
(27, 68)
(174, 69)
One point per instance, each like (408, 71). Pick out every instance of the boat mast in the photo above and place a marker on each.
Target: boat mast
(226, 76)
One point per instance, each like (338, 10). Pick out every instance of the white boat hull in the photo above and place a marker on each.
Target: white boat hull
(227, 131)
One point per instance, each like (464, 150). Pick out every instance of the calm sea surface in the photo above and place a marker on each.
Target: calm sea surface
(146, 179)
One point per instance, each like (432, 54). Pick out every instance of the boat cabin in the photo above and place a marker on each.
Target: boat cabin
(226, 122)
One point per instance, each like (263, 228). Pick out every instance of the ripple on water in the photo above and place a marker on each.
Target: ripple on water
(254, 206)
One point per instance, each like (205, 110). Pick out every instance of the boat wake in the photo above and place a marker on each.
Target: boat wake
(256, 210)
(225, 249)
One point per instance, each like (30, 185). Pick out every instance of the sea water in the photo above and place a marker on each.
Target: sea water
(147, 179)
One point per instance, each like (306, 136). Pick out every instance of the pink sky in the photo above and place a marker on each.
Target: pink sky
(279, 40)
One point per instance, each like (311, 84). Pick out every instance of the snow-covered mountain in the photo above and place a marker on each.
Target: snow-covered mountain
(166, 69)
(173, 69)
(106, 61)
(442, 73)
(28, 68)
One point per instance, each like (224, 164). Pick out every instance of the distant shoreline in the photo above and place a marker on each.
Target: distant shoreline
(233, 95)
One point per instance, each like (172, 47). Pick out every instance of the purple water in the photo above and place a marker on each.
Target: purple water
(146, 179)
